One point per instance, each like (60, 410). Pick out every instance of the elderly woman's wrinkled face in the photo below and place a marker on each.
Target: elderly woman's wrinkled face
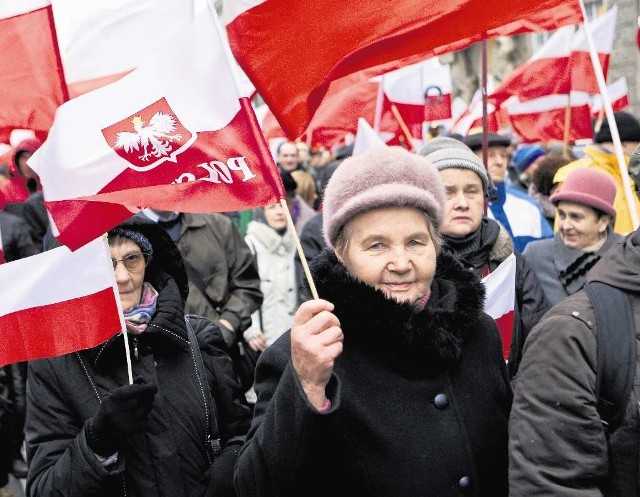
(464, 207)
(129, 268)
(391, 249)
(580, 227)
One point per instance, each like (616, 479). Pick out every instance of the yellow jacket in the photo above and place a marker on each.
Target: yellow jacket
(598, 158)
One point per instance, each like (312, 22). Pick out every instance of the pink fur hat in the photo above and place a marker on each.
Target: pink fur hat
(384, 177)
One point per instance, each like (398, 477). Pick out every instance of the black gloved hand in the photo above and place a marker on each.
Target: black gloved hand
(221, 483)
(123, 412)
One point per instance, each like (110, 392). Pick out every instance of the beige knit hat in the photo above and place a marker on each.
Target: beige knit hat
(384, 177)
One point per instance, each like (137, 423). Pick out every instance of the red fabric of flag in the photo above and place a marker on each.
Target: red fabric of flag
(356, 35)
(32, 83)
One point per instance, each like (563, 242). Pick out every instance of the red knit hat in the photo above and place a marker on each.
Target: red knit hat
(590, 187)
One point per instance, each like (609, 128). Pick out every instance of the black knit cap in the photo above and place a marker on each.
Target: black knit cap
(474, 141)
(628, 128)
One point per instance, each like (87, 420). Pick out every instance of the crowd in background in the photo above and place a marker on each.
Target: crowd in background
(560, 210)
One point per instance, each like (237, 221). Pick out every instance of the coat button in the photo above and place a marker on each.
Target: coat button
(441, 401)
(464, 484)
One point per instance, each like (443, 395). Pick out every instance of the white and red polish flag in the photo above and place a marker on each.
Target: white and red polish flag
(500, 298)
(551, 60)
(45, 290)
(174, 134)
(618, 95)
(356, 35)
(603, 29)
(421, 92)
(543, 119)
(32, 84)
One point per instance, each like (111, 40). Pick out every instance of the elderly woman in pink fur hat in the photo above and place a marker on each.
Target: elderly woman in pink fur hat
(393, 382)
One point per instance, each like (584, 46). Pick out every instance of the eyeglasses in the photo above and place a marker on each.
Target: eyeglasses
(134, 263)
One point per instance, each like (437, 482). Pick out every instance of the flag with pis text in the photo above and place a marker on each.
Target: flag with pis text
(69, 303)
(357, 35)
(500, 286)
(150, 140)
(422, 90)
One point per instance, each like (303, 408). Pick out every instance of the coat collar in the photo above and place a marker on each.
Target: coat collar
(415, 342)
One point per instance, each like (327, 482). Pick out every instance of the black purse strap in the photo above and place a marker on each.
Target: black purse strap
(213, 438)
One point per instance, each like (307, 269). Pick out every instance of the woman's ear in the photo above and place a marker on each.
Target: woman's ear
(338, 250)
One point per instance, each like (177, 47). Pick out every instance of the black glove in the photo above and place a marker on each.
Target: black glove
(123, 412)
(221, 483)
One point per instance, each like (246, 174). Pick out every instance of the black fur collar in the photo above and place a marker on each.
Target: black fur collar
(417, 342)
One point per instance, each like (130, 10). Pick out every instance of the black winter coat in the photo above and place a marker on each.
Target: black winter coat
(419, 401)
(171, 457)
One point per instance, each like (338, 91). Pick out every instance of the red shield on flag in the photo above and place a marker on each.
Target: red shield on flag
(149, 137)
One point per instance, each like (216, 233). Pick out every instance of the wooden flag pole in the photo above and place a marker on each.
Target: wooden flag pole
(377, 118)
(303, 258)
(485, 116)
(403, 127)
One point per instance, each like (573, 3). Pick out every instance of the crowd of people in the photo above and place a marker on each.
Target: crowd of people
(393, 381)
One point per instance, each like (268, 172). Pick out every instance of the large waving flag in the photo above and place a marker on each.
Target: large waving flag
(356, 35)
(32, 84)
(603, 30)
(545, 118)
(174, 134)
(58, 302)
(500, 299)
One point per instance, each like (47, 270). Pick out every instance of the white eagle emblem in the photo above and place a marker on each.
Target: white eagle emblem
(155, 139)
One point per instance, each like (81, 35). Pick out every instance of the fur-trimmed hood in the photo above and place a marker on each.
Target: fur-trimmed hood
(417, 342)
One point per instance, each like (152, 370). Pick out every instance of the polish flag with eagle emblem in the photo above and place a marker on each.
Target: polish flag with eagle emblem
(175, 134)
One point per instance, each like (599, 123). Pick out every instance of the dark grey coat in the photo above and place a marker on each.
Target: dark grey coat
(419, 400)
(560, 270)
(557, 443)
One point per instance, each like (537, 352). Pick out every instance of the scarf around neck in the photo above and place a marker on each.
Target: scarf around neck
(137, 319)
